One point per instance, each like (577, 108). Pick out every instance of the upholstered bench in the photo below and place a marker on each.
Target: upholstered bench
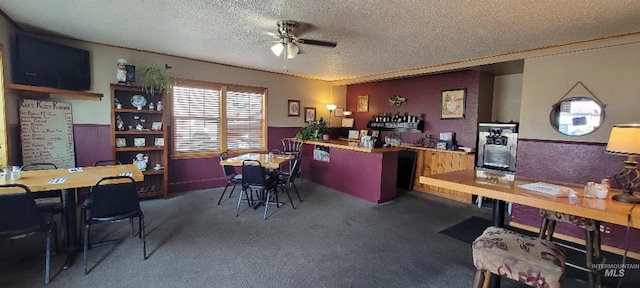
(530, 260)
(592, 240)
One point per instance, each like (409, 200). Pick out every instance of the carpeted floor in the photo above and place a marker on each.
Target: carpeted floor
(330, 240)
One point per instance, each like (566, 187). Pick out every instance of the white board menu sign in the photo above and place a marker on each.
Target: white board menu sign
(46, 131)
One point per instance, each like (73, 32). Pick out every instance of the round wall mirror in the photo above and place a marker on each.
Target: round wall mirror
(576, 116)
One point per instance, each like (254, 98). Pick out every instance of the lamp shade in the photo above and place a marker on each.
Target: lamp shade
(624, 139)
(331, 107)
(277, 49)
(292, 50)
(346, 113)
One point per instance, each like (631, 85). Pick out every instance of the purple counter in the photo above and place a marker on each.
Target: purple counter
(368, 174)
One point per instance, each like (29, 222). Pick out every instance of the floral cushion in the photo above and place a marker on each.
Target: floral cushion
(584, 223)
(530, 260)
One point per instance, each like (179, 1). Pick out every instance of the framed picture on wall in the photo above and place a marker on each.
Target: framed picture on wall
(339, 112)
(309, 114)
(452, 104)
(363, 103)
(294, 108)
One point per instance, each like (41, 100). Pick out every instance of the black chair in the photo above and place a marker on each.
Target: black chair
(288, 178)
(230, 175)
(20, 216)
(53, 203)
(106, 162)
(255, 178)
(111, 199)
(47, 201)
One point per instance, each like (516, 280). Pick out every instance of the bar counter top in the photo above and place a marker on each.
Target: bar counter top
(353, 146)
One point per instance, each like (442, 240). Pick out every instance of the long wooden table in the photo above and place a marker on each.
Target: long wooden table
(273, 163)
(38, 180)
(504, 189)
(605, 210)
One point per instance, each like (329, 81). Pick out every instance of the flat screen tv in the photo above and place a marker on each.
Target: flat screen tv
(39, 62)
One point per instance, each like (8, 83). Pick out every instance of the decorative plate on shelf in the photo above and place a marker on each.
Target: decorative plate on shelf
(139, 142)
(121, 142)
(138, 100)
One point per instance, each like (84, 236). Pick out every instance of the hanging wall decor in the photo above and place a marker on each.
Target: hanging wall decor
(397, 100)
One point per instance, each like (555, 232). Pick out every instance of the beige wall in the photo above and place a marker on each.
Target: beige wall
(311, 93)
(611, 73)
(507, 93)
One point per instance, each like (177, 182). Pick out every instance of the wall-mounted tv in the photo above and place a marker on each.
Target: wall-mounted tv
(39, 62)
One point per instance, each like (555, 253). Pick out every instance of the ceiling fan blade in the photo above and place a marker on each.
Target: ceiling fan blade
(317, 42)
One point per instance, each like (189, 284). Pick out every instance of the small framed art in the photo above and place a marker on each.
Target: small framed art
(363, 103)
(294, 108)
(159, 142)
(339, 112)
(309, 114)
(354, 134)
(121, 142)
(452, 104)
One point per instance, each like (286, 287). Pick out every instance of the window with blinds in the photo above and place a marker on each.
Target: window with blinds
(210, 118)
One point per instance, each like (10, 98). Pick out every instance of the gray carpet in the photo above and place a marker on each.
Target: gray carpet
(330, 240)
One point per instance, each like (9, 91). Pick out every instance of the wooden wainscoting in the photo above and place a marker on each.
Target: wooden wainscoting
(435, 161)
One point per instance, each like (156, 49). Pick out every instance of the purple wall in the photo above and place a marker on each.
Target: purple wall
(423, 97)
(92, 144)
(570, 162)
(277, 133)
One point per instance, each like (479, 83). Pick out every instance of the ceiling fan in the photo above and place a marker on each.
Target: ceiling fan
(288, 41)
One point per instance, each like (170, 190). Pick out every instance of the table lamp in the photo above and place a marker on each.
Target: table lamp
(625, 140)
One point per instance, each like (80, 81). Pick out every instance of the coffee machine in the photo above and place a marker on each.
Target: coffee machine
(497, 147)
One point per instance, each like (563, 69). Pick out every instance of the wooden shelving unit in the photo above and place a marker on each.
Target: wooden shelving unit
(155, 182)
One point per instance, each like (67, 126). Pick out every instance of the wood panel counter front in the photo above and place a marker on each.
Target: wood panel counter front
(432, 161)
(366, 173)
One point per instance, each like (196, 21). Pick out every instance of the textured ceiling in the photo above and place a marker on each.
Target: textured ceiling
(374, 37)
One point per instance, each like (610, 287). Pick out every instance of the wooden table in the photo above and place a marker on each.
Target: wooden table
(605, 210)
(38, 180)
(503, 190)
(274, 163)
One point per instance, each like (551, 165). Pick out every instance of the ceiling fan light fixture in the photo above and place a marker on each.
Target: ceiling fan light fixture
(292, 50)
(277, 49)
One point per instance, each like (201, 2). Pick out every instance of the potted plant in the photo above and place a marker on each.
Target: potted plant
(307, 133)
(323, 129)
(155, 80)
(314, 130)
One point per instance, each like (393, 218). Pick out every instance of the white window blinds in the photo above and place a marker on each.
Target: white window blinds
(245, 121)
(204, 123)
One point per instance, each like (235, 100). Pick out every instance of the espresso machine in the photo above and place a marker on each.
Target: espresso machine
(497, 147)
